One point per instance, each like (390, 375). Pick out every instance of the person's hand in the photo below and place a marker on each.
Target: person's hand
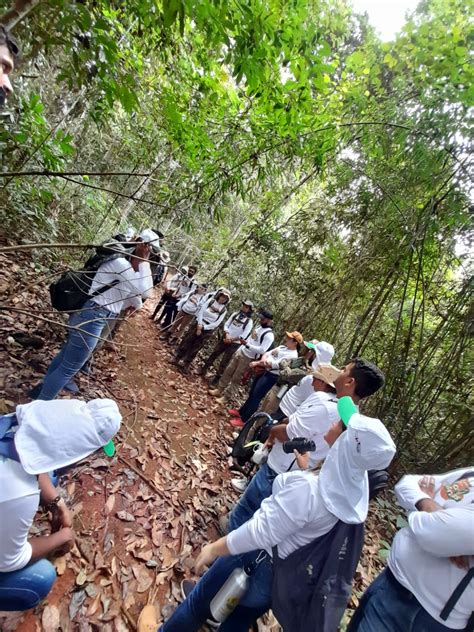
(242, 341)
(427, 485)
(130, 312)
(66, 535)
(61, 517)
(198, 330)
(461, 561)
(302, 459)
(253, 364)
(205, 558)
(227, 339)
(142, 251)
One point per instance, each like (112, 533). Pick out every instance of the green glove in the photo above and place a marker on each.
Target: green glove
(346, 408)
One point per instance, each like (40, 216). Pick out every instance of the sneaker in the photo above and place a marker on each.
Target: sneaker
(35, 391)
(239, 484)
(224, 524)
(214, 392)
(237, 422)
(234, 412)
(221, 400)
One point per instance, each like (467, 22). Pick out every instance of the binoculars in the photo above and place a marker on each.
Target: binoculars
(299, 443)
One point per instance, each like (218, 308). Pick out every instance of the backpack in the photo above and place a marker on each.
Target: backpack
(312, 586)
(256, 429)
(71, 290)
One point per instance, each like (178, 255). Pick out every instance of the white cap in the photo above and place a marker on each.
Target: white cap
(324, 353)
(150, 237)
(58, 433)
(129, 233)
(365, 445)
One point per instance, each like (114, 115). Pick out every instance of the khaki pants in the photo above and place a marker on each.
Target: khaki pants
(271, 402)
(230, 380)
(180, 323)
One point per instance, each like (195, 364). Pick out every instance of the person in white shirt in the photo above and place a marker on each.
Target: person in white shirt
(176, 287)
(429, 559)
(38, 438)
(251, 349)
(236, 328)
(208, 318)
(303, 506)
(188, 306)
(128, 282)
(264, 381)
(310, 421)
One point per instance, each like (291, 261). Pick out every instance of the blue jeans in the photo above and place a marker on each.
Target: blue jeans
(25, 588)
(387, 606)
(259, 488)
(190, 615)
(260, 387)
(77, 349)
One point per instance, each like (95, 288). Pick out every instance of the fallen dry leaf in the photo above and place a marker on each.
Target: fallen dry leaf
(50, 619)
(125, 516)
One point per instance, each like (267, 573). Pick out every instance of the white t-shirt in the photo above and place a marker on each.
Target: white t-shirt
(19, 501)
(275, 356)
(296, 395)
(211, 314)
(293, 516)
(311, 420)
(190, 303)
(260, 340)
(419, 556)
(129, 291)
(238, 326)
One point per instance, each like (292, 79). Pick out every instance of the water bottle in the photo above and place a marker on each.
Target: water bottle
(230, 594)
(260, 454)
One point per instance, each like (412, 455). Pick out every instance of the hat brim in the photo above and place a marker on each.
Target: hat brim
(310, 345)
(109, 448)
(323, 378)
(290, 335)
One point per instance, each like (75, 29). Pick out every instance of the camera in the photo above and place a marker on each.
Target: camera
(299, 443)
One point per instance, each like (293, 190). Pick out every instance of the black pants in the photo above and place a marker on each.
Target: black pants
(160, 305)
(169, 312)
(191, 344)
(223, 349)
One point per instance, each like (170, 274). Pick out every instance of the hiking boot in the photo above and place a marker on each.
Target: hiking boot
(234, 412)
(221, 400)
(148, 619)
(184, 368)
(215, 392)
(224, 524)
(239, 484)
(237, 422)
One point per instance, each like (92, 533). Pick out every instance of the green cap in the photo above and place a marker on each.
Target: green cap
(346, 408)
(310, 345)
(109, 448)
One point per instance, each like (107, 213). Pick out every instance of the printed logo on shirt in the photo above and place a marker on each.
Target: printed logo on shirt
(456, 491)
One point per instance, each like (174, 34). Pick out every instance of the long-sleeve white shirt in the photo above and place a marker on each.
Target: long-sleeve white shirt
(180, 284)
(238, 326)
(311, 420)
(297, 395)
(275, 356)
(211, 314)
(190, 303)
(260, 340)
(419, 556)
(293, 516)
(129, 290)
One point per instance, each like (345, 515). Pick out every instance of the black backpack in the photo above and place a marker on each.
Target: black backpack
(256, 429)
(311, 587)
(71, 290)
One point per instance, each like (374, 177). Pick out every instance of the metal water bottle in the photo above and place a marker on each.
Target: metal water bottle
(230, 594)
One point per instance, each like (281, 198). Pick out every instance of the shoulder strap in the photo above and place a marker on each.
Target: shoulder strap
(262, 335)
(457, 592)
(104, 288)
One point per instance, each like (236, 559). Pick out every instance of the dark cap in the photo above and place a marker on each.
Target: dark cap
(266, 313)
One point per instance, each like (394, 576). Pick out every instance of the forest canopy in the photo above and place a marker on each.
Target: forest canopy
(285, 149)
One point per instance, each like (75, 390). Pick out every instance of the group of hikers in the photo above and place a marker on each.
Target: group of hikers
(295, 535)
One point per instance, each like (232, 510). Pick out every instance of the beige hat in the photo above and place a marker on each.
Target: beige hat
(295, 335)
(327, 373)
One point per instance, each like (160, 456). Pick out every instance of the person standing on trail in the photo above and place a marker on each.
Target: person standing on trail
(303, 508)
(9, 54)
(178, 286)
(251, 349)
(264, 381)
(128, 280)
(208, 318)
(188, 306)
(38, 438)
(237, 327)
(294, 372)
(428, 585)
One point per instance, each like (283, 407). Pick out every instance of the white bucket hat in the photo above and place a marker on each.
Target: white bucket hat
(58, 433)
(324, 353)
(150, 237)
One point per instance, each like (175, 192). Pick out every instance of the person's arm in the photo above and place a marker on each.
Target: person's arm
(211, 552)
(43, 545)
(183, 300)
(216, 323)
(277, 433)
(62, 517)
(228, 323)
(444, 533)
(415, 487)
(200, 314)
(259, 349)
(247, 329)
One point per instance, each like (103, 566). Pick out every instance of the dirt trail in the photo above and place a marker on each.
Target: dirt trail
(139, 518)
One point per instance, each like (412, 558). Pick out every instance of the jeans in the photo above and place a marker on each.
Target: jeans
(25, 588)
(259, 488)
(77, 349)
(260, 388)
(193, 612)
(387, 606)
